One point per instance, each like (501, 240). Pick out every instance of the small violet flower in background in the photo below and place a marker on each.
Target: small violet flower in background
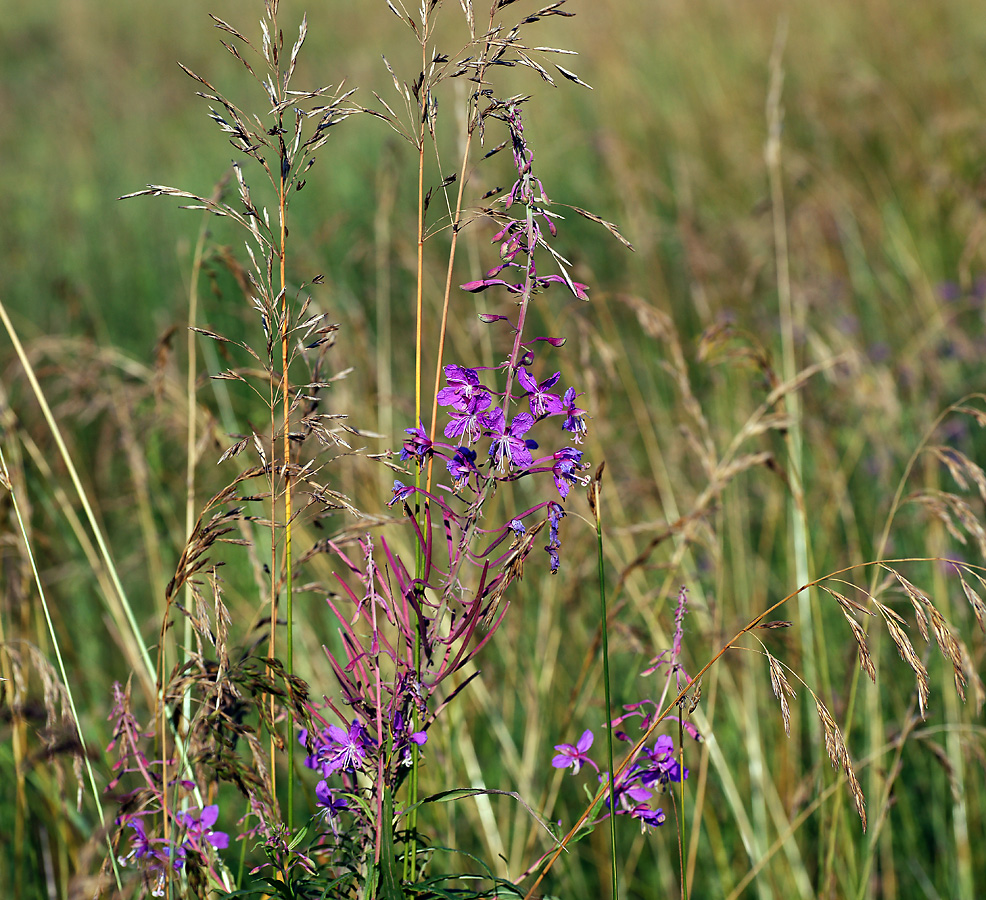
(574, 755)
(198, 828)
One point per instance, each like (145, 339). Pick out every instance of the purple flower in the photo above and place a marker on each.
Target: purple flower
(198, 828)
(568, 461)
(647, 816)
(403, 738)
(555, 558)
(326, 799)
(400, 493)
(470, 420)
(508, 444)
(543, 403)
(574, 420)
(140, 843)
(152, 858)
(517, 527)
(574, 755)
(311, 761)
(345, 750)
(464, 385)
(663, 749)
(630, 791)
(462, 465)
(664, 766)
(329, 805)
(419, 445)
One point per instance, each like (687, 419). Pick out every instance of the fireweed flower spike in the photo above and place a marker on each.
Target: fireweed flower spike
(655, 767)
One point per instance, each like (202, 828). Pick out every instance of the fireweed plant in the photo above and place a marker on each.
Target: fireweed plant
(407, 622)
(405, 628)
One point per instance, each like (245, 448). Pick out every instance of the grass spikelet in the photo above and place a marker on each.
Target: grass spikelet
(927, 614)
(899, 636)
(961, 468)
(858, 632)
(782, 690)
(918, 601)
(975, 601)
(838, 753)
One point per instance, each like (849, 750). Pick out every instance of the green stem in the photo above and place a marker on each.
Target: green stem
(594, 503)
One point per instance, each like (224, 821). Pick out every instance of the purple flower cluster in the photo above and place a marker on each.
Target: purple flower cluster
(471, 419)
(155, 855)
(655, 767)
(345, 751)
(637, 784)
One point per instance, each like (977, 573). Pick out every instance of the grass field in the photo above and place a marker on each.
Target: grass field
(784, 379)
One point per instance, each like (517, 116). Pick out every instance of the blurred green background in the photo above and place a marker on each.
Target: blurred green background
(882, 173)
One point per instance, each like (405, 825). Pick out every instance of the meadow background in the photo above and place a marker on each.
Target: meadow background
(874, 273)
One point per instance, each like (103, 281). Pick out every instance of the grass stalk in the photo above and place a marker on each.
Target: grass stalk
(410, 857)
(191, 438)
(594, 492)
(288, 511)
